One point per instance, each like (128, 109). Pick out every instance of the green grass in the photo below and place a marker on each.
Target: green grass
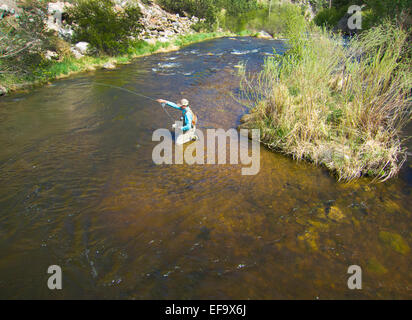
(196, 37)
(341, 107)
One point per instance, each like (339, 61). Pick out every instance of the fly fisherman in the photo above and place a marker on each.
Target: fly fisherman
(189, 119)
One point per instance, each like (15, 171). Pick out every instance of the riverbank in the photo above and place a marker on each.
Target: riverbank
(54, 70)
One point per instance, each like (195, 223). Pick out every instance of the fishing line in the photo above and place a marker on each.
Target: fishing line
(132, 92)
(167, 112)
(124, 89)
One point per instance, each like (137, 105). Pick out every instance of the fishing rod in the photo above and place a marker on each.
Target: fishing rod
(132, 92)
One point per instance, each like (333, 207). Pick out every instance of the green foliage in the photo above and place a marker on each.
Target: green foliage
(380, 10)
(329, 17)
(203, 9)
(344, 3)
(374, 12)
(108, 31)
(280, 21)
(238, 7)
(389, 8)
(210, 10)
(317, 5)
(294, 20)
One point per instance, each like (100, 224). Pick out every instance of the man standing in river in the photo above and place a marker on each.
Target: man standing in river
(189, 119)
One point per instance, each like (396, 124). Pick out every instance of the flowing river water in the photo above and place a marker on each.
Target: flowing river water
(79, 189)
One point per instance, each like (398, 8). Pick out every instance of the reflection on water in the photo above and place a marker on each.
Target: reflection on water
(78, 188)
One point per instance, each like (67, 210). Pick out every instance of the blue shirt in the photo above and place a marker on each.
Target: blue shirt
(187, 115)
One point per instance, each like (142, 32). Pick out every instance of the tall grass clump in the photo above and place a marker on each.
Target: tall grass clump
(341, 106)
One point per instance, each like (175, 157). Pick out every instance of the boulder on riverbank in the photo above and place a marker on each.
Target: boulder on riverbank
(51, 55)
(80, 49)
(263, 35)
(76, 53)
(3, 90)
(109, 66)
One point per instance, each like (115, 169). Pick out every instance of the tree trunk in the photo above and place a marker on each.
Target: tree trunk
(270, 7)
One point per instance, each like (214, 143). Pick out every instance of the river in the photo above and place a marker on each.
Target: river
(79, 189)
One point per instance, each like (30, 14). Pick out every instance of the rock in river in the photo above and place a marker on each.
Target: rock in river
(394, 241)
(264, 35)
(109, 66)
(335, 214)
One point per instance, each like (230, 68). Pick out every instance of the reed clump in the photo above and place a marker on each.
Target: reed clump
(341, 105)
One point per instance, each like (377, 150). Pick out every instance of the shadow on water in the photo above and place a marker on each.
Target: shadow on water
(78, 188)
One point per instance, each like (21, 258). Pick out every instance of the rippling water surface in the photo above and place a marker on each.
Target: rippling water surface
(78, 188)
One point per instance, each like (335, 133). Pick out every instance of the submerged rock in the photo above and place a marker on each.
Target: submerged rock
(310, 238)
(336, 214)
(376, 267)
(394, 241)
(246, 118)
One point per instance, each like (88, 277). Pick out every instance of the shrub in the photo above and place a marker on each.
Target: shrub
(108, 31)
(60, 46)
(329, 17)
(384, 9)
(373, 13)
